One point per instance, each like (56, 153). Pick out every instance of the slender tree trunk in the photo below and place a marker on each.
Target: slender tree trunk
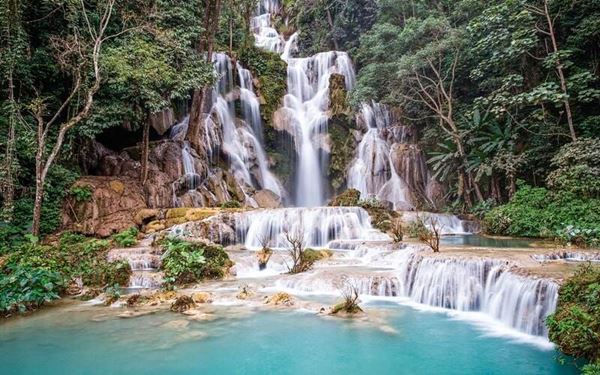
(559, 71)
(145, 152)
(211, 23)
(330, 21)
(9, 182)
(39, 179)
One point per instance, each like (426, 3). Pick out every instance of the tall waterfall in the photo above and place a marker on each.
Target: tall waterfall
(373, 172)
(307, 101)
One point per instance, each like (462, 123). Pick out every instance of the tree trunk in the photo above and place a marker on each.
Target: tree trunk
(145, 152)
(39, 180)
(560, 72)
(211, 22)
(9, 183)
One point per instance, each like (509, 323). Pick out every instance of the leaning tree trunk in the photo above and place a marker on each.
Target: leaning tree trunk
(212, 9)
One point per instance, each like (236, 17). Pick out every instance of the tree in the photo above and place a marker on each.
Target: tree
(78, 54)
(555, 56)
(428, 77)
(212, 9)
(11, 51)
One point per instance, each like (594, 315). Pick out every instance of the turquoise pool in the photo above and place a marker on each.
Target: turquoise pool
(264, 342)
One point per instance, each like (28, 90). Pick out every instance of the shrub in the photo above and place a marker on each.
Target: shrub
(24, 288)
(127, 238)
(538, 212)
(81, 193)
(350, 197)
(231, 204)
(577, 168)
(575, 326)
(73, 256)
(186, 262)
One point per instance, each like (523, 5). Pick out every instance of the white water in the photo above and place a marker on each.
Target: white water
(372, 172)
(319, 226)
(468, 285)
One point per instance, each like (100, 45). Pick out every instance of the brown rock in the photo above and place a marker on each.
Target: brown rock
(267, 199)
(111, 208)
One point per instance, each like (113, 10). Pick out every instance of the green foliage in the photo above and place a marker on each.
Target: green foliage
(575, 326)
(127, 238)
(577, 168)
(342, 149)
(24, 288)
(73, 256)
(81, 193)
(231, 204)
(348, 198)
(186, 262)
(271, 72)
(537, 212)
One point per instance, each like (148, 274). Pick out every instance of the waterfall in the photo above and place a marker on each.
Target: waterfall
(319, 226)
(372, 172)
(307, 100)
(240, 143)
(468, 285)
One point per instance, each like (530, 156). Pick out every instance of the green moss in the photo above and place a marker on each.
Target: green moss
(271, 72)
(342, 149)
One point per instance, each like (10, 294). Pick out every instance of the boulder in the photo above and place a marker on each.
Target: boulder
(267, 199)
(162, 121)
(202, 297)
(111, 208)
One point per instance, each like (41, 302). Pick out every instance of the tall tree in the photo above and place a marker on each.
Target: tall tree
(212, 9)
(78, 54)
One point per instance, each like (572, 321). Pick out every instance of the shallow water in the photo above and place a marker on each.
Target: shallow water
(414, 342)
(489, 242)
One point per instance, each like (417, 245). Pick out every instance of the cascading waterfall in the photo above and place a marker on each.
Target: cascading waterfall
(481, 285)
(469, 285)
(318, 226)
(307, 100)
(372, 172)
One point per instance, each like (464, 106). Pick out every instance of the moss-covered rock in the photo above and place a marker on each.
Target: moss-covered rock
(343, 146)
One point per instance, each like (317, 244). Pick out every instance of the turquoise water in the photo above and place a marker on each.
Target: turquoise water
(483, 241)
(261, 343)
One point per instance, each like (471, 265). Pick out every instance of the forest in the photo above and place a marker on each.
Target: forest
(500, 99)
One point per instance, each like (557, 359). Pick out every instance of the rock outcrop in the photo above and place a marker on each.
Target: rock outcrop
(112, 206)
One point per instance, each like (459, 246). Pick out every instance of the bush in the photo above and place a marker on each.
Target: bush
(575, 326)
(126, 238)
(271, 72)
(350, 197)
(24, 288)
(73, 256)
(538, 212)
(186, 262)
(231, 204)
(577, 168)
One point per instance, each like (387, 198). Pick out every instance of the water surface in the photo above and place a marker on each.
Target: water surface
(414, 342)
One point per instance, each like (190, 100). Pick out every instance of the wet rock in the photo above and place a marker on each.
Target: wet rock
(267, 199)
(182, 303)
(280, 299)
(176, 324)
(245, 293)
(110, 209)
(202, 297)
(162, 121)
